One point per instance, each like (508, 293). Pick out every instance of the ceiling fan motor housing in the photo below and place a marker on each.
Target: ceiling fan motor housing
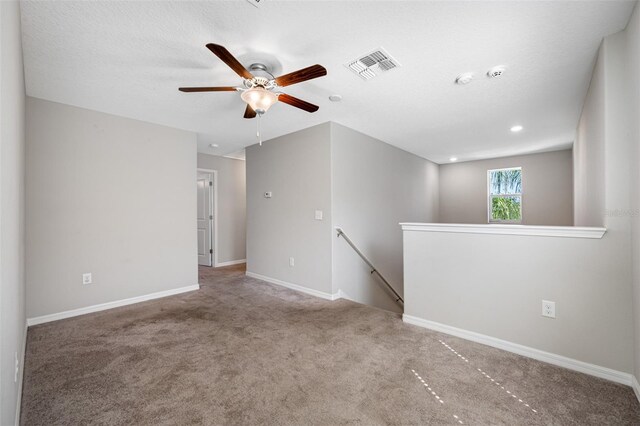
(261, 81)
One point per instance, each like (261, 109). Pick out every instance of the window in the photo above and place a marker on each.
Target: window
(505, 195)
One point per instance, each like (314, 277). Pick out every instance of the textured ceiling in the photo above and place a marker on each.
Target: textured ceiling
(129, 58)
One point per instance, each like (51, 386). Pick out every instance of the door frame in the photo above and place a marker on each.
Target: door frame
(214, 209)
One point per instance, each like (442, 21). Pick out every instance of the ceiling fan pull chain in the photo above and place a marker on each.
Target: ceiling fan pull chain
(258, 132)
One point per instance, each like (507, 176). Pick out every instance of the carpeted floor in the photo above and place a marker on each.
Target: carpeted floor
(241, 351)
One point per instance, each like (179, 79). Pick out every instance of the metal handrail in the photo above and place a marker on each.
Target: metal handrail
(368, 262)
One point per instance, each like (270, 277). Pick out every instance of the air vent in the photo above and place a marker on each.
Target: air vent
(373, 64)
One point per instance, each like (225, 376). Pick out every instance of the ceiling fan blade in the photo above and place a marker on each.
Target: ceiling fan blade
(298, 103)
(309, 73)
(230, 60)
(249, 112)
(207, 89)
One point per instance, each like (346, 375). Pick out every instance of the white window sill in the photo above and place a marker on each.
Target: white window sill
(507, 229)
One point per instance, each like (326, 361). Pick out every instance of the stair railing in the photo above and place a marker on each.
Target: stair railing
(368, 262)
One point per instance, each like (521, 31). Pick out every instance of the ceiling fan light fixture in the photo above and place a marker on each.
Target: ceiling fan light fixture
(259, 99)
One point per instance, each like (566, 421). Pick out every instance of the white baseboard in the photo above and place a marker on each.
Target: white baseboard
(636, 386)
(296, 287)
(341, 295)
(231, 262)
(23, 357)
(548, 357)
(109, 305)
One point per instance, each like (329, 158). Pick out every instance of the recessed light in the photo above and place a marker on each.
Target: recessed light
(213, 145)
(335, 98)
(516, 129)
(464, 78)
(453, 159)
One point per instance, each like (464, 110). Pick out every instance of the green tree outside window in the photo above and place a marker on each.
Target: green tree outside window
(505, 195)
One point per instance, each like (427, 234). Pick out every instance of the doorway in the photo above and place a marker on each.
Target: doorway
(206, 217)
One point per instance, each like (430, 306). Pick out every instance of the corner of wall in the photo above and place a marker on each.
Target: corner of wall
(12, 206)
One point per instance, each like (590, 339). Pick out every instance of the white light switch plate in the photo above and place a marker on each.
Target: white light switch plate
(86, 278)
(318, 214)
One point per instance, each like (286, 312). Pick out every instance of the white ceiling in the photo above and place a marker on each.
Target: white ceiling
(129, 58)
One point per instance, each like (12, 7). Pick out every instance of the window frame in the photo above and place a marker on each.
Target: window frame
(491, 196)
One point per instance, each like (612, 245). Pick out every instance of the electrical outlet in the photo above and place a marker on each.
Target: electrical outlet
(548, 309)
(86, 278)
(292, 262)
(15, 374)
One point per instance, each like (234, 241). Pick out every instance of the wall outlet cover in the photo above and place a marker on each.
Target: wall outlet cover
(86, 278)
(548, 309)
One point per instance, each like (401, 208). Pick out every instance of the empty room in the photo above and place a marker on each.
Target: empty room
(319, 212)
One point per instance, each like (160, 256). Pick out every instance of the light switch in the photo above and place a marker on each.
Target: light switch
(268, 194)
(318, 214)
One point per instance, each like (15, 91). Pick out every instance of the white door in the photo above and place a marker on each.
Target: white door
(205, 218)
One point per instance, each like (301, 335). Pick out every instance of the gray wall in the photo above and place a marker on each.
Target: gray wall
(376, 186)
(588, 154)
(12, 190)
(618, 147)
(495, 284)
(296, 168)
(632, 34)
(546, 184)
(606, 163)
(108, 195)
(232, 204)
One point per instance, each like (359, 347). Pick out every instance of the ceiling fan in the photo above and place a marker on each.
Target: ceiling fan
(260, 92)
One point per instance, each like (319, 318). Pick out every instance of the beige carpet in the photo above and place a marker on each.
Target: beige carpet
(241, 351)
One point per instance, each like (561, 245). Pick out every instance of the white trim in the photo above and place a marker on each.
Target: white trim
(342, 295)
(21, 375)
(109, 305)
(231, 262)
(636, 387)
(548, 357)
(493, 228)
(296, 287)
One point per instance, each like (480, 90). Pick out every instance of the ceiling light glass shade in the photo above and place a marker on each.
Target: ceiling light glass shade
(259, 99)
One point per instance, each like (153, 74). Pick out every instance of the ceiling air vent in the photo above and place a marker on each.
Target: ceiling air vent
(373, 64)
